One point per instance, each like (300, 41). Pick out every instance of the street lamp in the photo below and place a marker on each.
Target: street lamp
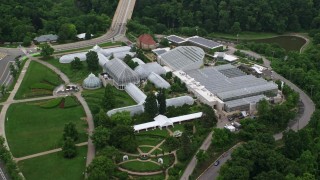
(197, 29)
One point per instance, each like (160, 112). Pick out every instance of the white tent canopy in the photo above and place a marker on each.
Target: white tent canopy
(162, 121)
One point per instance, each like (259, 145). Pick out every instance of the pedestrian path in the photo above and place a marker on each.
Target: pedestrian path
(46, 152)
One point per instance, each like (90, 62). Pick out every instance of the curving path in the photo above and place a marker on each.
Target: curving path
(91, 149)
(301, 122)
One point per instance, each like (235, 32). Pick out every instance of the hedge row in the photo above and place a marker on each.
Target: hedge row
(51, 103)
(42, 86)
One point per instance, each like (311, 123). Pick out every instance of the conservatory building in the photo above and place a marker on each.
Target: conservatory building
(120, 73)
(91, 82)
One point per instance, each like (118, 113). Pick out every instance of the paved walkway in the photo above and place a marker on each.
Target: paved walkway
(192, 164)
(301, 122)
(140, 173)
(91, 149)
(10, 99)
(46, 152)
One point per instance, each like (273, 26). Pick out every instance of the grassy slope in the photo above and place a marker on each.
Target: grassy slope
(37, 73)
(32, 129)
(55, 167)
(243, 35)
(75, 76)
(94, 98)
(141, 166)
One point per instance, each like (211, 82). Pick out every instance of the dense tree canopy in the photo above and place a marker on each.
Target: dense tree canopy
(32, 17)
(225, 15)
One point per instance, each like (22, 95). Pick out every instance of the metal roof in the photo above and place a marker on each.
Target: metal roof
(158, 81)
(244, 101)
(121, 73)
(230, 85)
(183, 58)
(135, 109)
(204, 42)
(144, 70)
(176, 39)
(135, 93)
(45, 38)
(179, 101)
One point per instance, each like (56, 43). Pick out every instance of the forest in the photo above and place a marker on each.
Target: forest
(228, 16)
(29, 18)
(297, 157)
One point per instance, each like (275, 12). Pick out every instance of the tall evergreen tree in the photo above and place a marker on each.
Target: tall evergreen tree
(70, 131)
(151, 105)
(162, 101)
(92, 61)
(69, 148)
(108, 101)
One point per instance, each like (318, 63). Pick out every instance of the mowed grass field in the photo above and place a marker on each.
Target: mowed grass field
(75, 76)
(38, 81)
(95, 97)
(55, 166)
(32, 129)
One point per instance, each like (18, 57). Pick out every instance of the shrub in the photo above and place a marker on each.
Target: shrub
(7, 159)
(51, 103)
(42, 86)
(70, 101)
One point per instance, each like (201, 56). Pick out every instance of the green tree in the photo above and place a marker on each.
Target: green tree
(88, 35)
(123, 137)
(171, 143)
(161, 97)
(13, 71)
(3, 89)
(102, 119)
(186, 148)
(151, 105)
(316, 38)
(67, 32)
(221, 137)
(202, 155)
(122, 118)
(307, 162)
(26, 41)
(101, 168)
(109, 101)
(76, 64)
(69, 148)
(164, 42)
(236, 29)
(100, 137)
(92, 61)
(46, 50)
(234, 173)
(70, 131)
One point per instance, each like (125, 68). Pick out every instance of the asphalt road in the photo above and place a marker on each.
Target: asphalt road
(308, 107)
(11, 54)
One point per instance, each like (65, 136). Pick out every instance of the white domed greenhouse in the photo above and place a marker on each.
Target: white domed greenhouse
(91, 82)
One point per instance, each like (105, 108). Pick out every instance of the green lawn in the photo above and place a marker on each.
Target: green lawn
(38, 81)
(55, 167)
(94, 98)
(166, 159)
(148, 140)
(145, 149)
(140, 166)
(177, 127)
(153, 177)
(32, 129)
(157, 132)
(243, 35)
(75, 76)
